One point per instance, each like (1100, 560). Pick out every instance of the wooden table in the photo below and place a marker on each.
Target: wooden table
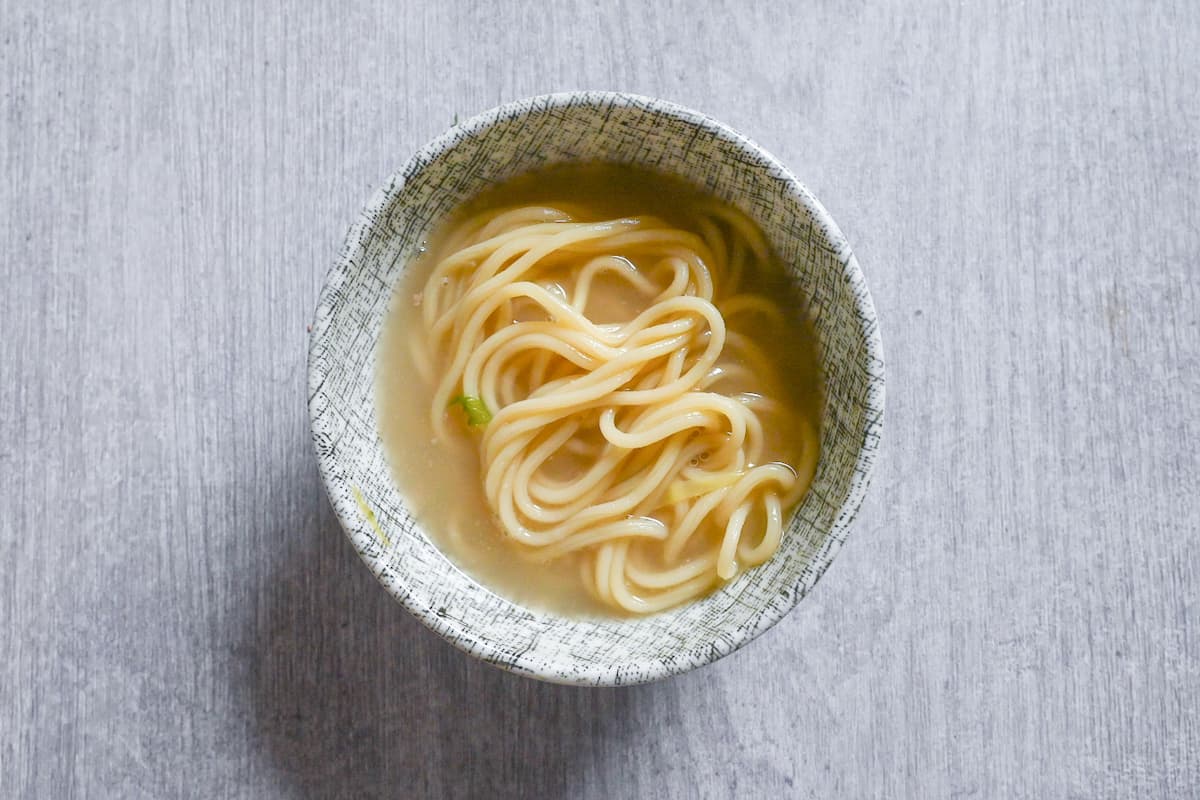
(1017, 612)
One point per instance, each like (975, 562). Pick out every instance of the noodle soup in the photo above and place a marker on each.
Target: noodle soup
(598, 392)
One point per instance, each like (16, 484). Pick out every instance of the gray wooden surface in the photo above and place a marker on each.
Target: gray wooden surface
(1017, 612)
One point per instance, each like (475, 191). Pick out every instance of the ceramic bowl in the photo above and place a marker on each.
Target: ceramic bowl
(344, 346)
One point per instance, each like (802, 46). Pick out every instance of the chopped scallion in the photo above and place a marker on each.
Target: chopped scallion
(477, 412)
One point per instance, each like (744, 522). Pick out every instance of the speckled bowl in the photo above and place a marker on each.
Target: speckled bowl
(344, 346)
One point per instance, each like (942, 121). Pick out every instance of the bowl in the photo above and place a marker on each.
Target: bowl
(345, 342)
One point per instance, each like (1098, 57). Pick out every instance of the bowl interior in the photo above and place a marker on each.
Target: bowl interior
(343, 349)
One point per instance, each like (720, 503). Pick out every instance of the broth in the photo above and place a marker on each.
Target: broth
(441, 478)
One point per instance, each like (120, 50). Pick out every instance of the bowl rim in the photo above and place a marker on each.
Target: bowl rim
(474, 641)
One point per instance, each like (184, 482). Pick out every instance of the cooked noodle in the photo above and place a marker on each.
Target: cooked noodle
(637, 446)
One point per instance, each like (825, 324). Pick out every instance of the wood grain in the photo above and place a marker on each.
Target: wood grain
(1016, 613)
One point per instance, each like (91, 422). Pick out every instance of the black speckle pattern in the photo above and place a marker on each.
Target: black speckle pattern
(492, 147)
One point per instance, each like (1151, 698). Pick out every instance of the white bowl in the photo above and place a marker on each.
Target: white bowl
(344, 345)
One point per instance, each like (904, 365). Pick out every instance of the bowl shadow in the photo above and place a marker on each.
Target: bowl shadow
(351, 696)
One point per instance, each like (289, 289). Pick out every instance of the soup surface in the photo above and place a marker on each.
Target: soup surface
(697, 482)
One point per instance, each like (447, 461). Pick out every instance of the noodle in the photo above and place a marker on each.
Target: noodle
(637, 446)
